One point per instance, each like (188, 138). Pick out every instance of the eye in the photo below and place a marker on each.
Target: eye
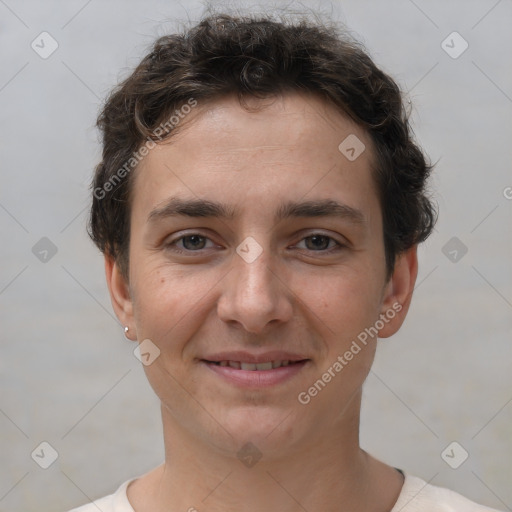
(196, 242)
(319, 242)
(190, 243)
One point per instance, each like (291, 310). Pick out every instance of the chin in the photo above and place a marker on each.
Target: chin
(268, 428)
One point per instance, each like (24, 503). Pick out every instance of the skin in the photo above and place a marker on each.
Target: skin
(295, 296)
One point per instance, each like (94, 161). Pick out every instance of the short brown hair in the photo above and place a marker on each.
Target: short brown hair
(259, 57)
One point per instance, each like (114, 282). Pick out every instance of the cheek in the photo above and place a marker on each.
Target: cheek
(170, 302)
(155, 303)
(345, 306)
(344, 301)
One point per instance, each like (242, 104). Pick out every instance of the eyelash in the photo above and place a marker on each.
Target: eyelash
(172, 245)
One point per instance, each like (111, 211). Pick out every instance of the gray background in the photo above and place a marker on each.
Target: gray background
(67, 374)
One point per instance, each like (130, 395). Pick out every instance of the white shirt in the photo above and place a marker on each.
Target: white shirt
(416, 496)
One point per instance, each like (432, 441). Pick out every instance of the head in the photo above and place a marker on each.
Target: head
(255, 115)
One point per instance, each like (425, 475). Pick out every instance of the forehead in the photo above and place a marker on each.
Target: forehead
(298, 122)
(287, 145)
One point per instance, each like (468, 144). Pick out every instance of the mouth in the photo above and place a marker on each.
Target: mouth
(264, 366)
(256, 375)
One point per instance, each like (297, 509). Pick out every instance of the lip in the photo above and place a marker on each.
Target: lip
(248, 357)
(256, 379)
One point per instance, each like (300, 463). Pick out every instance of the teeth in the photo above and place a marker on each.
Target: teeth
(269, 365)
(264, 366)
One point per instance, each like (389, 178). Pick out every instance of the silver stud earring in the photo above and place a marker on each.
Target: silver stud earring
(126, 329)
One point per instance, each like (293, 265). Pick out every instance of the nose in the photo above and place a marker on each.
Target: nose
(254, 294)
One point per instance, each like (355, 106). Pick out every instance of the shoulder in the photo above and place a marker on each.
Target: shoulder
(116, 502)
(419, 496)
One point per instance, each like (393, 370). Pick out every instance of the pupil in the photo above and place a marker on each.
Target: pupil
(317, 238)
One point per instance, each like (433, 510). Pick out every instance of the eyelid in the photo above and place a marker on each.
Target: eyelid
(180, 236)
(339, 244)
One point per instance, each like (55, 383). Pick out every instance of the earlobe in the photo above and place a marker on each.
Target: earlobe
(120, 296)
(398, 292)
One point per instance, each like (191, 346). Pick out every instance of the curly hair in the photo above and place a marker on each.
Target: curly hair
(251, 56)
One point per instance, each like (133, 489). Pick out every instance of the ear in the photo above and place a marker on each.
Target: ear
(398, 292)
(120, 296)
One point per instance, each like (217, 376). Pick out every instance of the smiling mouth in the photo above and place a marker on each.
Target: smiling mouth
(268, 365)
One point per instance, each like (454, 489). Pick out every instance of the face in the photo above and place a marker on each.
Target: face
(255, 239)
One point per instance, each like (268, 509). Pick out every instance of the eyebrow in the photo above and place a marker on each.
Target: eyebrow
(176, 206)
